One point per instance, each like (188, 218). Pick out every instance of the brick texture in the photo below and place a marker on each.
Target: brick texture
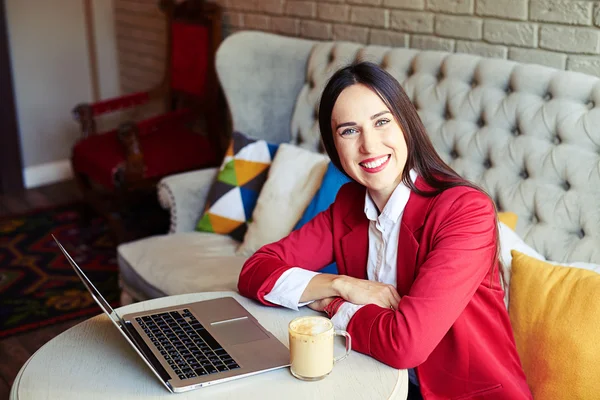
(511, 9)
(570, 40)
(333, 12)
(388, 38)
(412, 21)
(458, 27)
(585, 64)
(563, 34)
(511, 33)
(426, 42)
(481, 49)
(451, 6)
(562, 11)
(536, 56)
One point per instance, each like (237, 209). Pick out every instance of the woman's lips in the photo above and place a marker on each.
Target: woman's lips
(377, 168)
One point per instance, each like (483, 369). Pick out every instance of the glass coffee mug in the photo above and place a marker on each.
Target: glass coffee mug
(311, 347)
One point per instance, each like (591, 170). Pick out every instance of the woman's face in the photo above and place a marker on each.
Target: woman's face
(369, 141)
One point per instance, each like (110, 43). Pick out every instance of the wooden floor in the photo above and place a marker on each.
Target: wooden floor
(15, 350)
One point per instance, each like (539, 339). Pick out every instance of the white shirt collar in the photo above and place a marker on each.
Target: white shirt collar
(395, 206)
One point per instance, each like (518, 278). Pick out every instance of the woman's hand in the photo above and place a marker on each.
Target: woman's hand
(319, 305)
(360, 291)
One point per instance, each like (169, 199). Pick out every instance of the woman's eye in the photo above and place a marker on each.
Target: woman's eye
(382, 122)
(348, 131)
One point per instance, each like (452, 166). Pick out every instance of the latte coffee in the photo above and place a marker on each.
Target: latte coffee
(311, 347)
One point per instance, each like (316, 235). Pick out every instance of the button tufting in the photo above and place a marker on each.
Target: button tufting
(581, 233)
(548, 96)
(316, 114)
(474, 83)
(454, 154)
(524, 174)
(566, 185)
(590, 104)
(508, 89)
(557, 140)
(311, 84)
(331, 57)
(447, 114)
(515, 131)
(481, 122)
(440, 76)
(487, 163)
(534, 219)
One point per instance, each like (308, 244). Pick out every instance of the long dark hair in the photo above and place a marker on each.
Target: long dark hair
(422, 156)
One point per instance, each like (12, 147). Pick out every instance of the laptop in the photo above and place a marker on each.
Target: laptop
(194, 345)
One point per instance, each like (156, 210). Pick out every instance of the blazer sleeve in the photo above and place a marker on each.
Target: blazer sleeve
(310, 247)
(462, 252)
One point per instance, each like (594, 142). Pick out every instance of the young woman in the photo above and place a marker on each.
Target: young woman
(416, 248)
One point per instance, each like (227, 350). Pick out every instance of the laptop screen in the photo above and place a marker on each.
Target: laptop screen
(90, 287)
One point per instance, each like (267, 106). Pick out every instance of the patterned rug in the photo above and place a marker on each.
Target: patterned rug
(38, 287)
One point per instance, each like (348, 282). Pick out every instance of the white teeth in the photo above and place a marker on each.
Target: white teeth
(376, 163)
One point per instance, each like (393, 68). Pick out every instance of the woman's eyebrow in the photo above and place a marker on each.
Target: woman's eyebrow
(345, 124)
(379, 114)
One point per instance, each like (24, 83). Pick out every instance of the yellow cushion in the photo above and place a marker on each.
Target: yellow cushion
(509, 219)
(555, 315)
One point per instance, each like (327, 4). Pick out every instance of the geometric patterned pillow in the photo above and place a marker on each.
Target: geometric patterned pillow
(233, 194)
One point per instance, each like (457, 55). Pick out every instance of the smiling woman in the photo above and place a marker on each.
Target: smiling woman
(416, 247)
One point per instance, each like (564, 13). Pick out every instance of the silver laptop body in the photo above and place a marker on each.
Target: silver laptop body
(197, 344)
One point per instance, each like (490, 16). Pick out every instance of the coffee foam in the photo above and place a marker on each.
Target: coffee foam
(311, 325)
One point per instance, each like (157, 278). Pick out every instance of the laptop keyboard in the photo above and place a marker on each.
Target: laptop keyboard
(186, 346)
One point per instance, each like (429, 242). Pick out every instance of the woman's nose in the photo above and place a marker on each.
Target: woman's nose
(368, 141)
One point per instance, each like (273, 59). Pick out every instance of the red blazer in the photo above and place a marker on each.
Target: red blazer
(451, 324)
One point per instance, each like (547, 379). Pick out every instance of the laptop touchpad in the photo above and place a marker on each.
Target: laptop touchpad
(237, 332)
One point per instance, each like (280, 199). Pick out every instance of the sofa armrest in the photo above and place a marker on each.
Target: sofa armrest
(184, 195)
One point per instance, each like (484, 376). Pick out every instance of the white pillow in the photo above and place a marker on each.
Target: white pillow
(509, 240)
(582, 265)
(294, 178)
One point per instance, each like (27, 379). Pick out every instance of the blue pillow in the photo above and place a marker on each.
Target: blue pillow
(332, 182)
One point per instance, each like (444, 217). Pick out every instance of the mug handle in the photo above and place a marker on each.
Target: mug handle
(348, 345)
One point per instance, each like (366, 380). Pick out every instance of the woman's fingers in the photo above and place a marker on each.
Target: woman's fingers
(362, 291)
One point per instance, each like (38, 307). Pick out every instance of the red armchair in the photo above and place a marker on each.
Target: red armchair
(115, 169)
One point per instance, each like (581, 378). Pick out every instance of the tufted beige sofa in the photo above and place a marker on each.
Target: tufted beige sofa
(530, 135)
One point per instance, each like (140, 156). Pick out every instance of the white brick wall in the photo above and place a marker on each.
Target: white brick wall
(558, 33)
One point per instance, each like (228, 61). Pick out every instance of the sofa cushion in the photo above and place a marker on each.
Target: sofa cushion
(556, 319)
(294, 178)
(182, 263)
(233, 194)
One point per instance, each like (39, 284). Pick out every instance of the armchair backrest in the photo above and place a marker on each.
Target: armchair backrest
(194, 34)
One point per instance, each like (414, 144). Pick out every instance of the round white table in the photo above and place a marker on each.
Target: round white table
(93, 361)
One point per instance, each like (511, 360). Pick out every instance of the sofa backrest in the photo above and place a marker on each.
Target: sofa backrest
(528, 134)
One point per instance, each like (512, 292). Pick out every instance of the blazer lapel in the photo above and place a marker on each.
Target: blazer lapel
(355, 240)
(413, 219)
(407, 259)
(355, 249)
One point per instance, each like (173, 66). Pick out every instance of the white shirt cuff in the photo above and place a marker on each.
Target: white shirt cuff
(289, 288)
(344, 314)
